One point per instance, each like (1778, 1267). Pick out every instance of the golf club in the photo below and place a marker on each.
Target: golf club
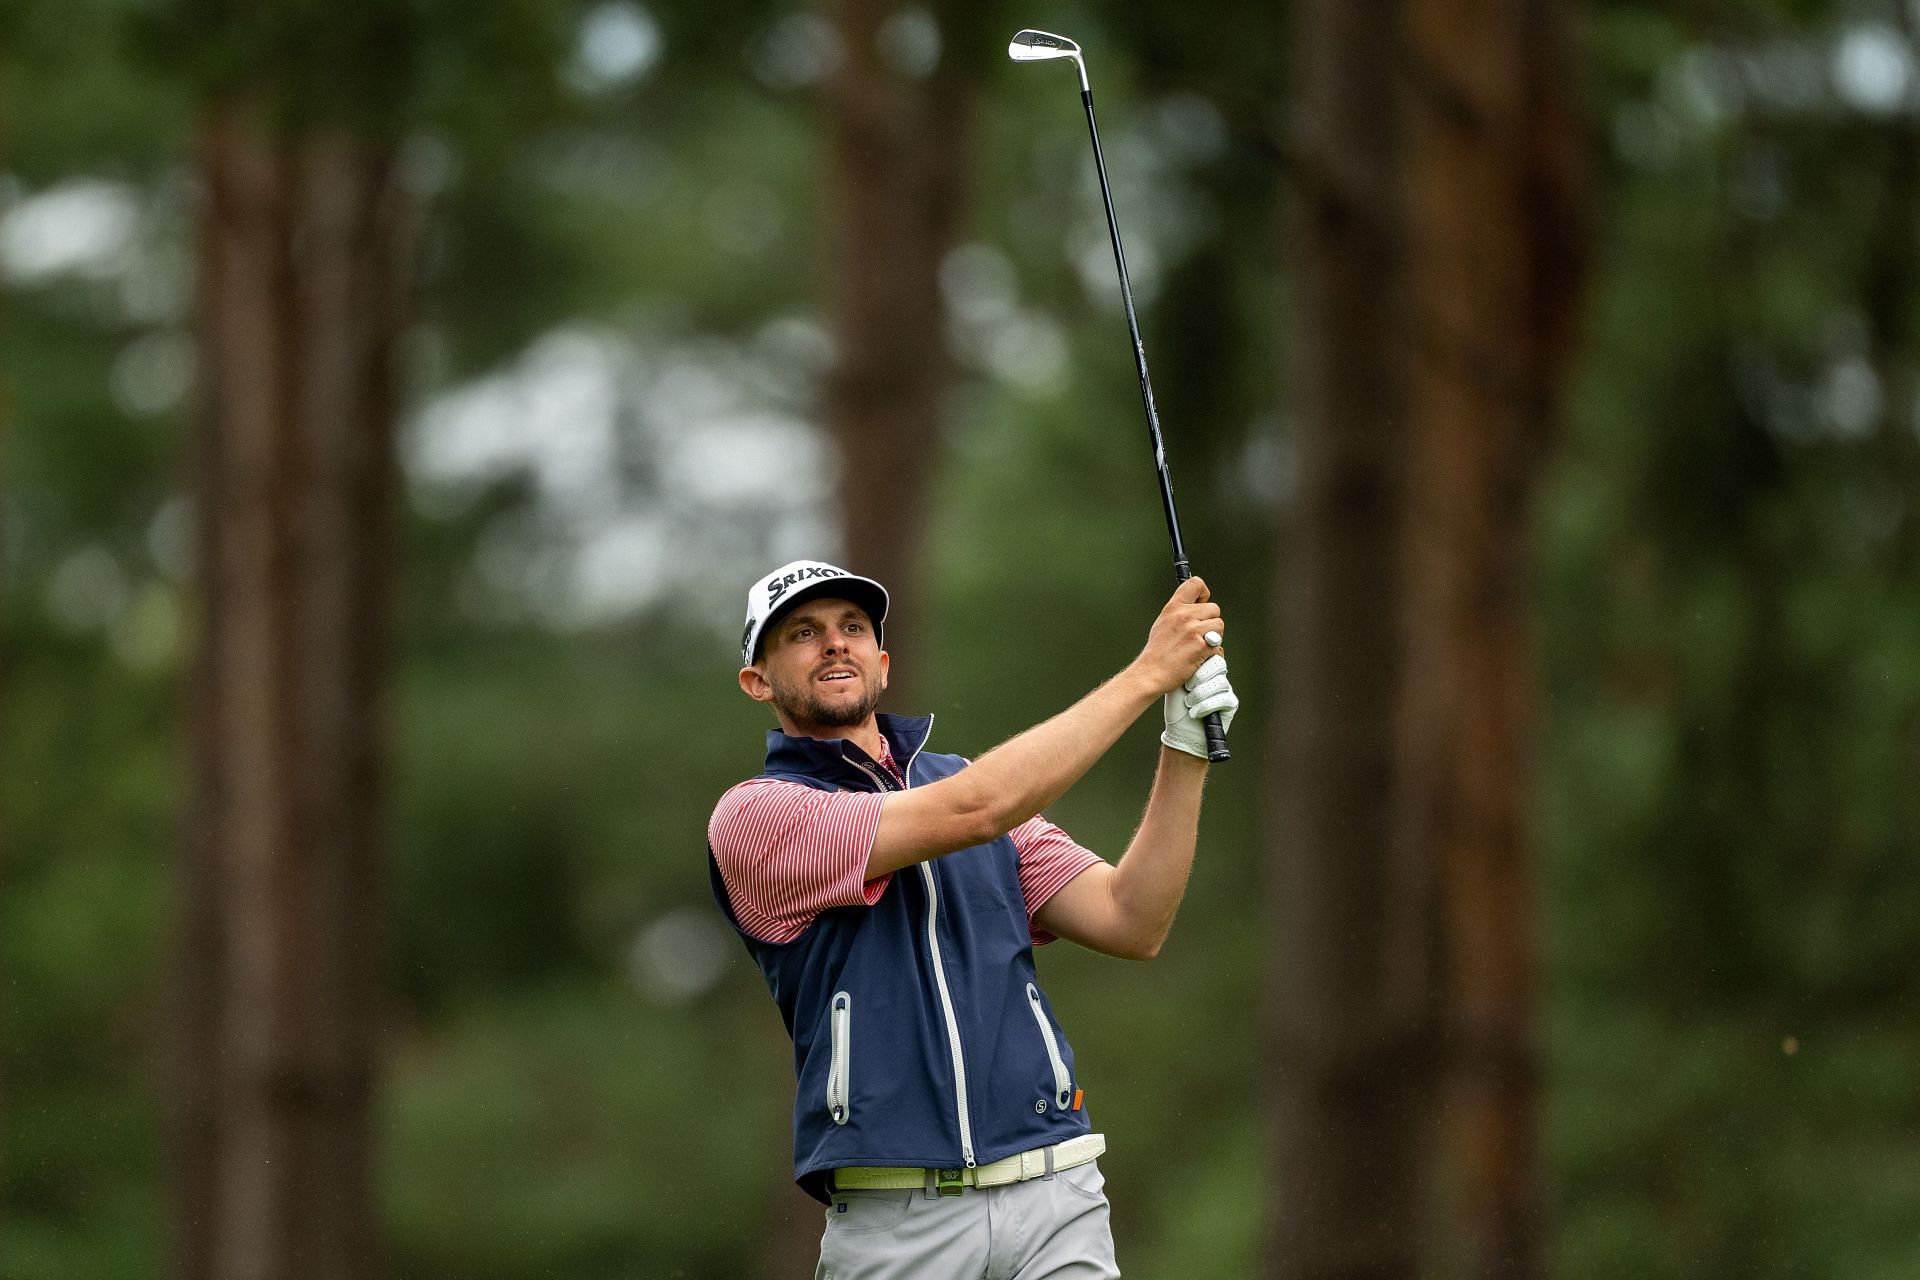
(1043, 46)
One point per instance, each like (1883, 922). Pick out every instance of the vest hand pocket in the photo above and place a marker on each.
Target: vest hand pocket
(839, 1090)
(1062, 1082)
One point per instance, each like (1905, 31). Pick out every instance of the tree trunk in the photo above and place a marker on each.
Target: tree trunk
(894, 188)
(301, 252)
(1438, 164)
(1353, 1011)
(1493, 175)
(7, 983)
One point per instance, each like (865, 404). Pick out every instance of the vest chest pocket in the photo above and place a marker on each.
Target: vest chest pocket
(1062, 1084)
(841, 1024)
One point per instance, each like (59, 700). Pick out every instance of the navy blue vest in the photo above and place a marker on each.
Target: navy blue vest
(921, 1037)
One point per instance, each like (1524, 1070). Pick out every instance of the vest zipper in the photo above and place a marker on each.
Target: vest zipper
(1062, 1083)
(953, 1026)
(839, 1088)
(940, 979)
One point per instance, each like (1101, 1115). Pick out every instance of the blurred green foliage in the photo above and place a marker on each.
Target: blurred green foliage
(585, 1075)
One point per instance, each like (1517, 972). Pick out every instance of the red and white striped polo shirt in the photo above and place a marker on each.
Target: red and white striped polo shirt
(788, 851)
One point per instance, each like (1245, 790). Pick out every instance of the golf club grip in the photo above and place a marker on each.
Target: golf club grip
(1216, 739)
(1217, 752)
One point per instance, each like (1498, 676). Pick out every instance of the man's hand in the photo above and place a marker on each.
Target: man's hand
(1177, 644)
(1184, 708)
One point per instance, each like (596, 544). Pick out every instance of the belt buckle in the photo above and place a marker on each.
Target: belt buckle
(949, 1182)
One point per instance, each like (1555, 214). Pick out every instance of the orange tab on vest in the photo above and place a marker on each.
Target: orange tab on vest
(1077, 1095)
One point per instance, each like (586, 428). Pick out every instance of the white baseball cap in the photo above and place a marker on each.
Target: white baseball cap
(790, 584)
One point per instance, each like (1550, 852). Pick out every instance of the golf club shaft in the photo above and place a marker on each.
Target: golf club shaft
(1216, 732)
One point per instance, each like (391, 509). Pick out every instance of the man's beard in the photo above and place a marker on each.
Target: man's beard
(804, 709)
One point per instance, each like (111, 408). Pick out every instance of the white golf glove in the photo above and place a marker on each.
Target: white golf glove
(1201, 696)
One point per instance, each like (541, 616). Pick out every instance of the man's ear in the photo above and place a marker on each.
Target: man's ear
(755, 685)
(886, 662)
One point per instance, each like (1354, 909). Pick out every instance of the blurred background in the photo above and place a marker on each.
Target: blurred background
(397, 400)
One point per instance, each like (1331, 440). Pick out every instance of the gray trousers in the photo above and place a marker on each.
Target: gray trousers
(1054, 1228)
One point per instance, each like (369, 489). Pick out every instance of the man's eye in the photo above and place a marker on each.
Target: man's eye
(854, 626)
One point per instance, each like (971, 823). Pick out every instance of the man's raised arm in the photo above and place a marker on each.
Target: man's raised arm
(1028, 772)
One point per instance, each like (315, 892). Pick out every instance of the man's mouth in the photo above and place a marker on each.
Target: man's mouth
(840, 675)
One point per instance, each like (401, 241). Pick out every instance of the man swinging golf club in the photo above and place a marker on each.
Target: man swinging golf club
(892, 897)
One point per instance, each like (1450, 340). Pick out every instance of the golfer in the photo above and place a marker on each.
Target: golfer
(892, 896)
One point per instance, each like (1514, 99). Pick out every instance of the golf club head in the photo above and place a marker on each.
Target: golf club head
(1044, 46)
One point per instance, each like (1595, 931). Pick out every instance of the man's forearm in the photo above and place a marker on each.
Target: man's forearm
(1010, 783)
(1025, 774)
(1151, 877)
(1028, 772)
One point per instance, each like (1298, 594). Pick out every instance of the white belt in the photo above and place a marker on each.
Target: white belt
(1041, 1162)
